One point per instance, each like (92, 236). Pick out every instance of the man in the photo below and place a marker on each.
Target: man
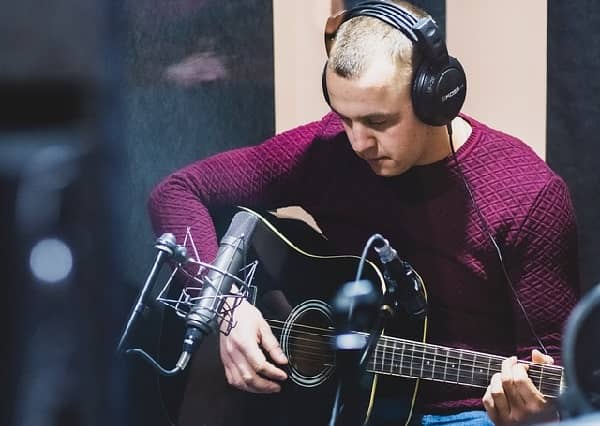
(490, 229)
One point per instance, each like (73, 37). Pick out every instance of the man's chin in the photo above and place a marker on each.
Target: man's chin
(383, 171)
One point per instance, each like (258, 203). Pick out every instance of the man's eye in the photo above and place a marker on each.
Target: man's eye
(376, 123)
(347, 121)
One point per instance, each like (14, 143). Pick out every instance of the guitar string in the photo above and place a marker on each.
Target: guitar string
(547, 388)
(478, 373)
(405, 341)
(552, 372)
(383, 355)
(412, 362)
(383, 358)
(429, 371)
(424, 346)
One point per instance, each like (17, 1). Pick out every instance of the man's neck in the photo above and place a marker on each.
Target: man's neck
(461, 130)
(440, 143)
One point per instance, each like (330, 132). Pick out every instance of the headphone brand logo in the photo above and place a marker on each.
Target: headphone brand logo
(452, 93)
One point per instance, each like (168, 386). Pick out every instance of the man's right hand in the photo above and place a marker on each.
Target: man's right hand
(246, 366)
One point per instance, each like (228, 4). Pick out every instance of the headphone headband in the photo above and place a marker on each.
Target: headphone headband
(422, 32)
(439, 83)
(393, 15)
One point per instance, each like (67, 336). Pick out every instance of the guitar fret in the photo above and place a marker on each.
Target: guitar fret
(496, 367)
(374, 360)
(546, 378)
(481, 374)
(439, 371)
(429, 363)
(446, 366)
(393, 366)
(402, 357)
(473, 368)
(432, 362)
(452, 368)
(422, 360)
(466, 376)
(383, 355)
(411, 359)
(460, 353)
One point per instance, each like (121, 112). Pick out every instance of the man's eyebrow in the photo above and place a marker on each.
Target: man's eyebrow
(380, 117)
(369, 116)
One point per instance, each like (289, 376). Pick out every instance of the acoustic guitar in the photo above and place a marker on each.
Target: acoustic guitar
(295, 282)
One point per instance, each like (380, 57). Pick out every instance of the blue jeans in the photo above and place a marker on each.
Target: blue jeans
(465, 418)
(388, 412)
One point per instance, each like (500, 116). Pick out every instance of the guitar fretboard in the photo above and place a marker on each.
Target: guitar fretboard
(410, 359)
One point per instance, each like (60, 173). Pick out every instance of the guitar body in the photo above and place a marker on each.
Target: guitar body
(295, 282)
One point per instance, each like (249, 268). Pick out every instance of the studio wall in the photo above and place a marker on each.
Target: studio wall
(573, 126)
(198, 80)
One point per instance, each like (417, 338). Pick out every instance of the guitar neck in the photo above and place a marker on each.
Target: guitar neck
(416, 360)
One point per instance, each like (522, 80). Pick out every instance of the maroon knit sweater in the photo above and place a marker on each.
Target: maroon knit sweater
(427, 215)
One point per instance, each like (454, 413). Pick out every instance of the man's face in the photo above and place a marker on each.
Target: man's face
(377, 114)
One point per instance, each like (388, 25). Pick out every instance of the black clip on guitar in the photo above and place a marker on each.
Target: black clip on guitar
(354, 307)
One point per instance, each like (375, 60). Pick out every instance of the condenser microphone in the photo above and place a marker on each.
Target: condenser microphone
(202, 319)
(404, 284)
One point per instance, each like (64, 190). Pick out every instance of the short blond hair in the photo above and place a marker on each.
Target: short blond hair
(360, 40)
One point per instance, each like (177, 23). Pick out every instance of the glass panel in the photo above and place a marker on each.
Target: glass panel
(198, 80)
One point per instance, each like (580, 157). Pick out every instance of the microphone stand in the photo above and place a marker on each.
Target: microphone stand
(353, 366)
(354, 307)
(348, 353)
(353, 363)
(166, 246)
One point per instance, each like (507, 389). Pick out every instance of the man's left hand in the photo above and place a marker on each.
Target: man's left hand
(511, 396)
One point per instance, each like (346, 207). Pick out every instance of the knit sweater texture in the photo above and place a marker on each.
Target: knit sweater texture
(427, 215)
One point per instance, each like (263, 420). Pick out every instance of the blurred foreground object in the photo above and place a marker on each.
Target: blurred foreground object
(59, 137)
(581, 357)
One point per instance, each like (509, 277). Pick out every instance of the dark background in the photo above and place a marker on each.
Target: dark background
(573, 125)
(198, 80)
(121, 94)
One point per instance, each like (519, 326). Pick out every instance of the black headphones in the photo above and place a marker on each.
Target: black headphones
(439, 83)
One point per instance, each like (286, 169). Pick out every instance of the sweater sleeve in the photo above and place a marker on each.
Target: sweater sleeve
(264, 175)
(548, 284)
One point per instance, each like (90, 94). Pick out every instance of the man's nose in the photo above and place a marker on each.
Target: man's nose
(361, 138)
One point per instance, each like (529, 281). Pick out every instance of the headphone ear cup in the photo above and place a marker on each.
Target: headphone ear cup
(438, 93)
(324, 85)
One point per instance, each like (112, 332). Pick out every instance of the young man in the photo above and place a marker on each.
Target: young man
(491, 229)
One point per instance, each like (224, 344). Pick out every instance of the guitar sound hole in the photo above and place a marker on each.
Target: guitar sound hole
(309, 344)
